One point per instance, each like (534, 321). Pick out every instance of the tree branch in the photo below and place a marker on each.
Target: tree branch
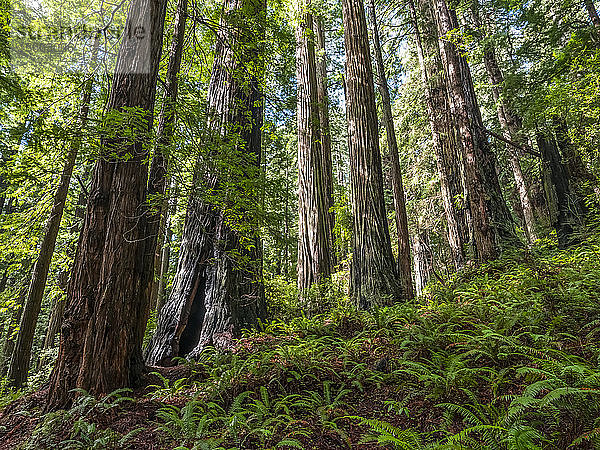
(523, 148)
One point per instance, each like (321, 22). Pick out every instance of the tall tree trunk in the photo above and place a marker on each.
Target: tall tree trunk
(157, 183)
(12, 326)
(107, 305)
(404, 261)
(492, 224)
(446, 147)
(567, 210)
(20, 360)
(234, 291)
(511, 126)
(3, 280)
(314, 227)
(325, 128)
(593, 13)
(3, 283)
(217, 290)
(2, 197)
(58, 309)
(166, 250)
(158, 254)
(55, 321)
(164, 269)
(423, 259)
(373, 272)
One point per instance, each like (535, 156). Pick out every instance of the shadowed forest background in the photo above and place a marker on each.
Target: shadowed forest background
(309, 224)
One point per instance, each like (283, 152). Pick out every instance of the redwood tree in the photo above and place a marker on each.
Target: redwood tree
(404, 262)
(510, 123)
(492, 227)
(445, 143)
(157, 182)
(106, 309)
(593, 13)
(373, 274)
(314, 226)
(217, 289)
(325, 128)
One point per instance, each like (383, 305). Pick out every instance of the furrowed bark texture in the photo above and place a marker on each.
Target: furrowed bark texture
(314, 227)
(106, 309)
(325, 128)
(217, 290)
(445, 144)
(491, 219)
(20, 360)
(373, 274)
(567, 209)
(404, 261)
(511, 127)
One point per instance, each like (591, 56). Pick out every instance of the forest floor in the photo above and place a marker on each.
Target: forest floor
(501, 356)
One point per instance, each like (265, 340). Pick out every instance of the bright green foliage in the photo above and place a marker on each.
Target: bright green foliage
(83, 432)
(502, 356)
(499, 356)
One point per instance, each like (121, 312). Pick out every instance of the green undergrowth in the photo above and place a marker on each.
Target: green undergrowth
(503, 356)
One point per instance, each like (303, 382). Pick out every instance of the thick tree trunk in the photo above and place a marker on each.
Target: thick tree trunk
(217, 290)
(492, 224)
(565, 219)
(511, 127)
(20, 360)
(446, 147)
(314, 227)
(325, 128)
(107, 304)
(373, 272)
(423, 259)
(404, 261)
